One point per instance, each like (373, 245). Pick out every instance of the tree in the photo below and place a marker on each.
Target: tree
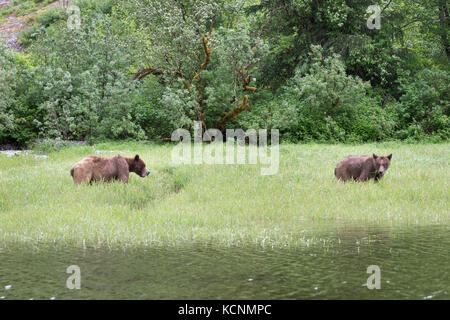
(8, 69)
(180, 41)
(408, 28)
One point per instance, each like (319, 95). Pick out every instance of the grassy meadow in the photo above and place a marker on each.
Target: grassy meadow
(224, 205)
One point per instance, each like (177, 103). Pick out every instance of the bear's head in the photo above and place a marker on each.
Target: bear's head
(139, 167)
(382, 163)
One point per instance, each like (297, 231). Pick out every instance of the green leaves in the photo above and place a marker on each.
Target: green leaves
(322, 102)
(310, 68)
(8, 69)
(424, 107)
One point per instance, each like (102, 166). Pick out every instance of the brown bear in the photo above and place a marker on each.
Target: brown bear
(362, 168)
(94, 168)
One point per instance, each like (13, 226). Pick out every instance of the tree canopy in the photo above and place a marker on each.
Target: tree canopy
(140, 69)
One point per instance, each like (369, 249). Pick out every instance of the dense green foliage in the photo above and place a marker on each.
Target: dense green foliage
(140, 69)
(322, 102)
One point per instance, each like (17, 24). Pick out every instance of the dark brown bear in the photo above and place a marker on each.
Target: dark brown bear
(362, 168)
(94, 168)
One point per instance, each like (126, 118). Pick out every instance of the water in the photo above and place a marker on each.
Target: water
(414, 264)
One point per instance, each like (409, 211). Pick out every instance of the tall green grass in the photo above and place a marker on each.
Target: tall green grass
(225, 205)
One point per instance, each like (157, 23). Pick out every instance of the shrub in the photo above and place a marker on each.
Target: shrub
(322, 102)
(424, 107)
(27, 36)
(51, 16)
(7, 94)
(154, 113)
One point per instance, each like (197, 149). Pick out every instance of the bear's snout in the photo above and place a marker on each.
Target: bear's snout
(145, 173)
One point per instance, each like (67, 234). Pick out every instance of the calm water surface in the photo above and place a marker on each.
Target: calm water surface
(414, 264)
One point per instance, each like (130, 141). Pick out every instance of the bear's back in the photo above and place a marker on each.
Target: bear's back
(351, 166)
(106, 168)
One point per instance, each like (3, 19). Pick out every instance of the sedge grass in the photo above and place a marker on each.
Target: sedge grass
(224, 205)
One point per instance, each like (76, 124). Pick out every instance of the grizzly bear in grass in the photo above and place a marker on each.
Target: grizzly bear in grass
(95, 168)
(362, 168)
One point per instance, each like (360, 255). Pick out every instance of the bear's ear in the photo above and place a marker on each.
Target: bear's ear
(136, 158)
(375, 156)
(389, 156)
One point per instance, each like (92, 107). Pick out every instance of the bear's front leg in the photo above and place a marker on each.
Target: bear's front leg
(124, 177)
(363, 177)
